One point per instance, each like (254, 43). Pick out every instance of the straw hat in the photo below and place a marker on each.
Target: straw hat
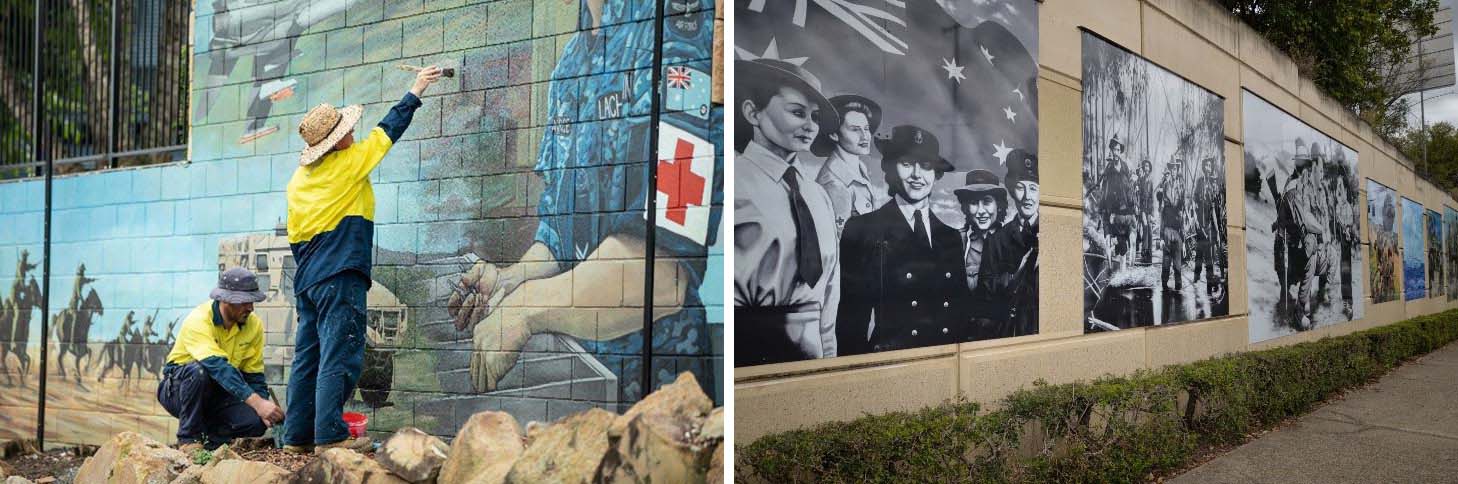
(323, 127)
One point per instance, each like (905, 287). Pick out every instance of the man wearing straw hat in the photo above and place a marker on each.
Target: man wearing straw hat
(213, 381)
(331, 233)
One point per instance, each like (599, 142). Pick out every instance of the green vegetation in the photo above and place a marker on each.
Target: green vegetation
(201, 456)
(1114, 429)
(1352, 49)
(1440, 164)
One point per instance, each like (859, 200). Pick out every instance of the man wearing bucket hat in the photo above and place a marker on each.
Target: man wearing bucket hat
(213, 380)
(784, 227)
(900, 264)
(331, 208)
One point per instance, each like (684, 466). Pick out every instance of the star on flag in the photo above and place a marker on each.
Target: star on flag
(1019, 92)
(1011, 116)
(1002, 152)
(954, 71)
(985, 53)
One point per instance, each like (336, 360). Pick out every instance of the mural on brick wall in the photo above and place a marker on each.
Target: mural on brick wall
(1414, 282)
(510, 223)
(1385, 259)
(1155, 242)
(887, 189)
(1303, 243)
(1434, 225)
(1450, 256)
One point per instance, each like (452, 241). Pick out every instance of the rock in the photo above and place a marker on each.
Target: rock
(344, 466)
(413, 455)
(130, 457)
(568, 451)
(239, 471)
(17, 480)
(669, 436)
(192, 475)
(484, 450)
(716, 465)
(5, 470)
(682, 397)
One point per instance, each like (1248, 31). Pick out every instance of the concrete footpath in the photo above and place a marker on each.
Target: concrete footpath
(1403, 428)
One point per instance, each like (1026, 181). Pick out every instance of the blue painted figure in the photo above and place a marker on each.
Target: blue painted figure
(591, 162)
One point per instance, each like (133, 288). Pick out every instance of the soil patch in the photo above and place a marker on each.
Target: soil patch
(56, 463)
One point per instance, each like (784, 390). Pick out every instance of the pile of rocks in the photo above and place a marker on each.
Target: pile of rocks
(672, 435)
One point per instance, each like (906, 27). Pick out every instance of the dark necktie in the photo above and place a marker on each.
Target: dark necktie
(807, 242)
(918, 229)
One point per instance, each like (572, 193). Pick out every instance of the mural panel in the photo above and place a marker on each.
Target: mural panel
(1155, 245)
(887, 190)
(1414, 282)
(1434, 225)
(1450, 256)
(1385, 258)
(510, 221)
(1302, 233)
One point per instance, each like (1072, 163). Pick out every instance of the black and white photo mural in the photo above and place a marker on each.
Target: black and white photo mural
(886, 180)
(1302, 237)
(1155, 248)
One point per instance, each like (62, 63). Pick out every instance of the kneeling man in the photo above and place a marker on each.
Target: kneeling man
(213, 382)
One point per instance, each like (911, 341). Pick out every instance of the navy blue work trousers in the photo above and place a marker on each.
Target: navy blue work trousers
(328, 357)
(206, 413)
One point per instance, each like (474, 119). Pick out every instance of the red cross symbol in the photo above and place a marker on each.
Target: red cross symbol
(677, 179)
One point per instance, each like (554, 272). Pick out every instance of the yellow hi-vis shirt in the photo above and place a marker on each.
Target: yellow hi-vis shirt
(203, 337)
(332, 209)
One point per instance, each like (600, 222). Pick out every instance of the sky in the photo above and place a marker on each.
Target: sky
(1442, 103)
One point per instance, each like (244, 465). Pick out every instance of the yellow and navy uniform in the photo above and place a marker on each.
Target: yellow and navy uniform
(233, 357)
(331, 204)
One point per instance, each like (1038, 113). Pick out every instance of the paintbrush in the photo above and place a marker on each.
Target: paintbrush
(447, 71)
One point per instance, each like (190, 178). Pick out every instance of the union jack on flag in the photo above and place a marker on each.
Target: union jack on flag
(678, 77)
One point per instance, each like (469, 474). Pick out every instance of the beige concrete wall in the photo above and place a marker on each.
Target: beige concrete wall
(1193, 38)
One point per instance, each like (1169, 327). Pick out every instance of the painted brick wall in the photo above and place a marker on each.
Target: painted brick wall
(470, 181)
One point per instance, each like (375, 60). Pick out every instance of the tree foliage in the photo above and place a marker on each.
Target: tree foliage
(1440, 165)
(1352, 49)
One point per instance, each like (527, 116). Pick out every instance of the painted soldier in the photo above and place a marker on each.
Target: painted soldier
(844, 174)
(1302, 229)
(1209, 224)
(901, 265)
(1006, 297)
(784, 227)
(1144, 218)
(1118, 198)
(1172, 224)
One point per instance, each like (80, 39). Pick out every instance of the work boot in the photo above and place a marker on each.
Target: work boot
(360, 444)
(299, 449)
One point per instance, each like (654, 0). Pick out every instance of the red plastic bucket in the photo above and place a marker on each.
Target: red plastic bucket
(356, 422)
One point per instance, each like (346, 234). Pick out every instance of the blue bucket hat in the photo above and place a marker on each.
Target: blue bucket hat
(237, 286)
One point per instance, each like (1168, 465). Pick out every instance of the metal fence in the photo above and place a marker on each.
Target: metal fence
(113, 84)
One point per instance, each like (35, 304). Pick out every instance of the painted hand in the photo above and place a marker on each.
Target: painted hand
(484, 288)
(497, 342)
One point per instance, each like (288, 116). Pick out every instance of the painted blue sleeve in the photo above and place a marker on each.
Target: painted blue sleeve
(227, 376)
(257, 383)
(399, 117)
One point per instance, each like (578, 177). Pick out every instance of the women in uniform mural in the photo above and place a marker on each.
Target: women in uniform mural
(1155, 248)
(1301, 209)
(1383, 262)
(1414, 282)
(887, 191)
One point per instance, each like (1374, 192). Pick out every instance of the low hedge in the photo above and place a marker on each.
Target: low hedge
(1114, 429)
